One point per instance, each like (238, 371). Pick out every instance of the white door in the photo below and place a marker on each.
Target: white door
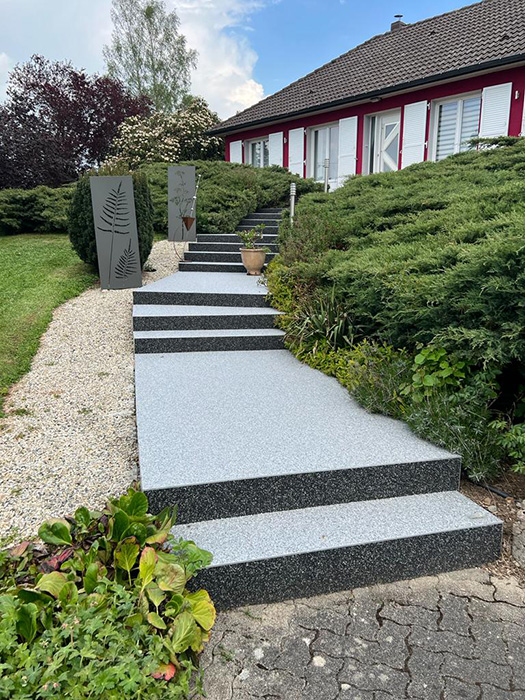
(384, 142)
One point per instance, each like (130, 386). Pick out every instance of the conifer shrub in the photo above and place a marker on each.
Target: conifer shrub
(81, 226)
(430, 262)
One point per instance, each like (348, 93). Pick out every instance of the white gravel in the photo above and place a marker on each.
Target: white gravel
(75, 442)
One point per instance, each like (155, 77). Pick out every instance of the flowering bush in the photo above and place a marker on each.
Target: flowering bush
(168, 138)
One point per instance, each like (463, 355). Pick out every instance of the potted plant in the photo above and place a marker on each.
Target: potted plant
(253, 255)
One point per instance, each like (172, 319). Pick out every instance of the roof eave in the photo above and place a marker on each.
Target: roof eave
(363, 97)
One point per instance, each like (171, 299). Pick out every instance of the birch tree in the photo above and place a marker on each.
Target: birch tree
(148, 53)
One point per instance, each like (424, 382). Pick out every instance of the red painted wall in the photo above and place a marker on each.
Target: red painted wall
(515, 75)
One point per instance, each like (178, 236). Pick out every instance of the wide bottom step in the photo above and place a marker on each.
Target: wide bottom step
(275, 556)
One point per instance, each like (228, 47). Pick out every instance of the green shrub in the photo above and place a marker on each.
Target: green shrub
(102, 609)
(82, 228)
(429, 261)
(40, 210)
(228, 192)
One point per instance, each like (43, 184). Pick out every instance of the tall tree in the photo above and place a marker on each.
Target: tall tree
(148, 53)
(58, 120)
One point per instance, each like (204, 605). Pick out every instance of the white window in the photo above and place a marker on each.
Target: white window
(258, 153)
(456, 121)
(324, 146)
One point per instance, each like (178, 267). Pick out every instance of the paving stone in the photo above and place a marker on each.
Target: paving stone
(508, 590)
(489, 692)
(458, 690)
(294, 657)
(482, 670)
(324, 619)
(374, 677)
(329, 643)
(425, 674)
(499, 612)
(321, 679)
(349, 693)
(516, 658)
(361, 649)
(392, 649)
(410, 615)
(260, 683)
(454, 615)
(363, 620)
(442, 641)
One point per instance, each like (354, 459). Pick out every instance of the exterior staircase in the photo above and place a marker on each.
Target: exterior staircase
(220, 253)
(294, 488)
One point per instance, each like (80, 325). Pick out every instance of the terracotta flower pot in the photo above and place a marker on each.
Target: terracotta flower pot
(253, 260)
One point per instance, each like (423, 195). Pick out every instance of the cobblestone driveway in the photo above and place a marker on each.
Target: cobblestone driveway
(446, 637)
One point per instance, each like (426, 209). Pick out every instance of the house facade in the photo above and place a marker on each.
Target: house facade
(418, 92)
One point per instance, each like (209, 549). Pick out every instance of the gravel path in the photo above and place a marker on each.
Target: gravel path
(69, 435)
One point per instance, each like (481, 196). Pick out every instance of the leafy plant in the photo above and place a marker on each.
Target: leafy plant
(434, 368)
(252, 237)
(102, 608)
(512, 439)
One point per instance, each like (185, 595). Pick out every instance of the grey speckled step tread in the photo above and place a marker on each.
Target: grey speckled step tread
(140, 310)
(217, 333)
(300, 421)
(252, 537)
(207, 283)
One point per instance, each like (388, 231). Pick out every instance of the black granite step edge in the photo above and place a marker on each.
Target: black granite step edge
(212, 344)
(195, 323)
(211, 267)
(232, 238)
(210, 246)
(199, 299)
(329, 571)
(217, 256)
(229, 499)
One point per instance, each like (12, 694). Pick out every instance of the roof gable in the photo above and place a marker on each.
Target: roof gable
(485, 33)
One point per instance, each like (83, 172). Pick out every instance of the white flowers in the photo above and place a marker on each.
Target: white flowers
(167, 137)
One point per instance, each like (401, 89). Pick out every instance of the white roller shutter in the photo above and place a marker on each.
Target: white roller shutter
(275, 148)
(296, 151)
(495, 110)
(414, 133)
(347, 148)
(236, 152)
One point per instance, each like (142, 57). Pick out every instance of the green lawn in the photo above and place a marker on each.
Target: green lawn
(39, 273)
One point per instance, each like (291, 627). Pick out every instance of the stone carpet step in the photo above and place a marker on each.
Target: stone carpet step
(194, 341)
(204, 289)
(282, 555)
(218, 256)
(264, 215)
(260, 431)
(232, 238)
(248, 226)
(212, 267)
(148, 317)
(223, 247)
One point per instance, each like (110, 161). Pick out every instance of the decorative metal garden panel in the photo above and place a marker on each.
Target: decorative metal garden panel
(116, 231)
(182, 203)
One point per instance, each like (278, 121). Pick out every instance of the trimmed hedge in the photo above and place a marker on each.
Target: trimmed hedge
(82, 228)
(40, 210)
(228, 192)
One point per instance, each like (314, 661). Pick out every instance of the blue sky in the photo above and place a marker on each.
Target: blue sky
(247, 48)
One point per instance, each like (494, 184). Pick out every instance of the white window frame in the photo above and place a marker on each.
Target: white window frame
(310, 142)
(434, 119)
(248, 150)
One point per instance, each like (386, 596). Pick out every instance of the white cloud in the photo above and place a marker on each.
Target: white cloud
(5, 66)
(224, 74)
